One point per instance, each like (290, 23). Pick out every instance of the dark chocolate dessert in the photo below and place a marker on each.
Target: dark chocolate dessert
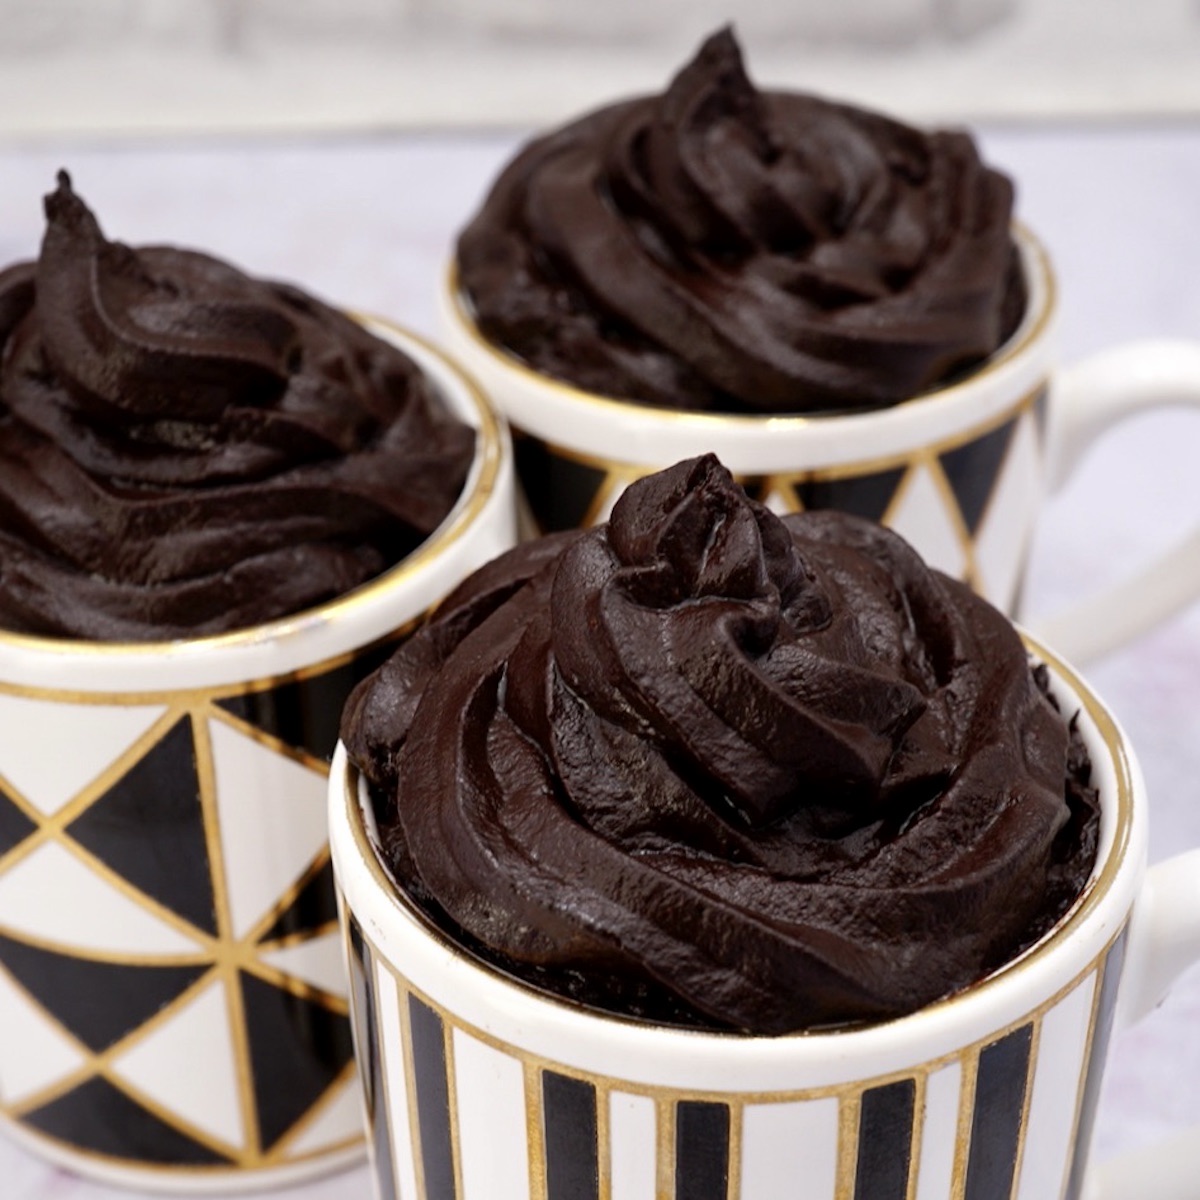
(185, 450)
(708, 766)
(721, 248)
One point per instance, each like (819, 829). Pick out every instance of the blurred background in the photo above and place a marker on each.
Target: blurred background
(343, 143)
(204, 65)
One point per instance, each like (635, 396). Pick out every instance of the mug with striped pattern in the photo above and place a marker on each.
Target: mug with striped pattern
(481, 1088)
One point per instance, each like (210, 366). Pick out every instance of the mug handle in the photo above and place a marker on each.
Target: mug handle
(1164, 940)
(1089, 398)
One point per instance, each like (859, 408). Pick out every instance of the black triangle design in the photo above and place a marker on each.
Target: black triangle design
(559, 490)
(315, 907)
(99, 1002)
(15, 825)
(149, 828)
(305, 713)
(757, 487)
(973, 469)
(297, 1050)
(100, 1118)
(862, 495)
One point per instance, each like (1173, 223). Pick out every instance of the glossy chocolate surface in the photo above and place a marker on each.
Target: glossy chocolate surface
(186, 450)
(709, 766)
(721, 248)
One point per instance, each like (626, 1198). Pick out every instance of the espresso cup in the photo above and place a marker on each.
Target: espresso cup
(173, 1002)
(961, 472)
(479, 1087)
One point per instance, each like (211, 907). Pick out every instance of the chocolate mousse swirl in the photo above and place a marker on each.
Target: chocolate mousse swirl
(704, 765)
(186, 450)
(725, 249)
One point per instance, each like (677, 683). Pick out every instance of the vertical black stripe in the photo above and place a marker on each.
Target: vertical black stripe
(370, 1061)
(433, 1100)
(572, 1153)
(701, 1150)
(1095, 1067)
(996, 1121)
(885, 1132)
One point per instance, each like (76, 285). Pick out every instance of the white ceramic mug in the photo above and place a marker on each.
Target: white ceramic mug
(173, 1009)
(961, 472)
(479, 1087)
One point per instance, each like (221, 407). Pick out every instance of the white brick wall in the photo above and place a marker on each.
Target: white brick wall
(171, 65)
(866, 22)
(55, 25)
(347, 21)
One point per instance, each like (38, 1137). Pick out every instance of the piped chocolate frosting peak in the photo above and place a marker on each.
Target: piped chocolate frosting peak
(186, 450)
(720, 248)
(706, 765)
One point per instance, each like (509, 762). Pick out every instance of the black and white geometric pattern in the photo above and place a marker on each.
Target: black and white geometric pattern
(466, 1116)
(966, 505)
(171, 974)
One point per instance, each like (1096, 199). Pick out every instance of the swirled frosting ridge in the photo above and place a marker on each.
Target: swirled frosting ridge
(186, 450)
(705, 765)
(720, 248)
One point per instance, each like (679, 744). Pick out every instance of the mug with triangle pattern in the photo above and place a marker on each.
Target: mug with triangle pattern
(174, 999)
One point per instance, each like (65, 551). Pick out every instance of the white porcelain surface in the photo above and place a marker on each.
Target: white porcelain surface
(259, 865)
(937, 1152)
(1117, 207)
